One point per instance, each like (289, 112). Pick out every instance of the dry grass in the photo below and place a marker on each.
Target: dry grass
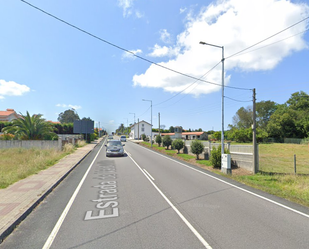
(18, 163)
(81, 143)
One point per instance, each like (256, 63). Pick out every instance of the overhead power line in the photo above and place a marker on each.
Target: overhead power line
(236, 100)
(123, 49)
(267, 38)
(189, 85)
(270, 44)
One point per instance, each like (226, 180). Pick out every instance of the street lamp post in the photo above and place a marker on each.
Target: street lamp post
(151, 120)
(222, 129)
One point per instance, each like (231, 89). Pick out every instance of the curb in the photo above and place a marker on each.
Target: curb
(12, 226)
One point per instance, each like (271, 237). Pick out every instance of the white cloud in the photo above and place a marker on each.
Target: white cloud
(127, 7)
(234, 24)
(11, 88)
(159, 51)
(127, 55)
(75, 107)
(139, 14)
(165, 36)
(182, 10)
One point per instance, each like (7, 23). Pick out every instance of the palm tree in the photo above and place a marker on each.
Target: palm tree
(29, 127)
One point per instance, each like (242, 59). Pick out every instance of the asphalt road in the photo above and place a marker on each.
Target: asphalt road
(146, 200)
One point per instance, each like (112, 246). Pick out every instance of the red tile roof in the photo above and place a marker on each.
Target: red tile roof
(4, 115)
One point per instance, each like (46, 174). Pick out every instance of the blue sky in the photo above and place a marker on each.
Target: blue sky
(47, 67)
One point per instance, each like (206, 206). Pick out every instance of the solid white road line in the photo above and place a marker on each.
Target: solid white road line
(193, 230)
(53, 234)
(149, 174)
(232, 185)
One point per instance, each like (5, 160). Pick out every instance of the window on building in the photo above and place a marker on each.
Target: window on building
(143, 129)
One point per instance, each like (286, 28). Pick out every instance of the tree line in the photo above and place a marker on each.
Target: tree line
(35, 127)
(273, 121)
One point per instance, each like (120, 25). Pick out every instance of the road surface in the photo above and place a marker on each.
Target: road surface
(147, 200)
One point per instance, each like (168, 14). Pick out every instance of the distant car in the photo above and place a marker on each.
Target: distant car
(114, 148)
(110, 137)
(123, 138)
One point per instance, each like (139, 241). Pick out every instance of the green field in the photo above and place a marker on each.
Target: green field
(279, 158)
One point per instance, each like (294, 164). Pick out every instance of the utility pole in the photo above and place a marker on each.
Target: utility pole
(222, 88)
(159, 123)
(138, 128)
(255, 164)
(150, 119)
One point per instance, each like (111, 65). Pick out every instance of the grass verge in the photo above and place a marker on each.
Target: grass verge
(26, 162)
(275, 176)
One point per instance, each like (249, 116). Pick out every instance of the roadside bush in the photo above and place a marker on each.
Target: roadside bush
(7, 136)
(167, 141)
(144, 137)
(215, 157)
(197, 147)
(159, 140)
(178, 144)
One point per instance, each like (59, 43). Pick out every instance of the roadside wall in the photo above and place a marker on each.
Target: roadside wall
(41, 144)
(241, 155)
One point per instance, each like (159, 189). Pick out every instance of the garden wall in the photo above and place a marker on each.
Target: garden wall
(41, 144)
(241, 155)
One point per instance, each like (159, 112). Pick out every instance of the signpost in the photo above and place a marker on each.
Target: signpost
(83, 127)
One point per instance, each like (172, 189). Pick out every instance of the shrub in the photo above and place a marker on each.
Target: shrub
(7, 136)
(144, 137)
(167, 141)
(215, 157)
(197, 148)
(178, 144)
(159, 140)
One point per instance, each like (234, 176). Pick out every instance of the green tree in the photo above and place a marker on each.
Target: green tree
(30, 127)
(120, 129)
(68, 116)
(217, 135)
(282, 124)
(243, 118)
(264, 110)
(197, 147)
(167, 141)
(241, 135)
(171, 129)
(178, 144)
(86, 119)
(159, 140)
(299, 101)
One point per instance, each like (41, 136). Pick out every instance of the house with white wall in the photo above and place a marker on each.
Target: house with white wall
(8, 115)
(140, 128)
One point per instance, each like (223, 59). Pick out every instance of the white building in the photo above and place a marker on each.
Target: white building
(8, 115)
(138, 129)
